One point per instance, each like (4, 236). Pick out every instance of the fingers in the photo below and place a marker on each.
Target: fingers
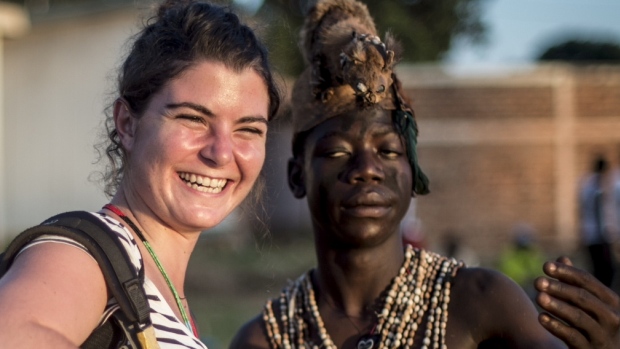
(574, 306)
(569, 335)
(564, 271)
(574, 297)
(578, 308)
(564, 260)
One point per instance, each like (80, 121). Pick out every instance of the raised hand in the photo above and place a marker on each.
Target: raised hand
(578, 309)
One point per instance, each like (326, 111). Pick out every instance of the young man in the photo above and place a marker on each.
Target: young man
(354, 159)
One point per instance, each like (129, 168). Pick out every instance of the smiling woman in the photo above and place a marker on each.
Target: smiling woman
(186, 145)
(208, 123)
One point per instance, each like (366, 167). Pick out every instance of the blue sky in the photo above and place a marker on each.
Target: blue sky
(518, 29)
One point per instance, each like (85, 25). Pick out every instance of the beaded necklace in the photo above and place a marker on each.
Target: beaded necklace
(186, 319)
(414, 313)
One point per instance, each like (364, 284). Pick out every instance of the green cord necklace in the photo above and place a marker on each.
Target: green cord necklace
(177, 298)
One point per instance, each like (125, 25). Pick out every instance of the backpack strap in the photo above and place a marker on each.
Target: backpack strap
(123, 281)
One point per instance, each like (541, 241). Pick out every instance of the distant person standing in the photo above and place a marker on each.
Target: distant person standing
(595, 225)
(521, 261)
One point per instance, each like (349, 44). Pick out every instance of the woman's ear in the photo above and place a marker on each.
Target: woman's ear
(124, 122)
(296, 178)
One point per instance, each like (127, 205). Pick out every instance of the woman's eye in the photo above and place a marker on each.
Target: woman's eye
(193, 118)
(253, 130)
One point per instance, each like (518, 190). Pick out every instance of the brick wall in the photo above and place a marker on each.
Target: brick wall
(481, 192)
(507, 150)
(499, 151)
(444, 103)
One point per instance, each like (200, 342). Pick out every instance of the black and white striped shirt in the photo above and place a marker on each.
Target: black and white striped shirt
(170, 332)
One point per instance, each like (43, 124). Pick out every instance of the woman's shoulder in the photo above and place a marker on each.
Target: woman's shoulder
(113, 227)
(52, 283)
(120, 232)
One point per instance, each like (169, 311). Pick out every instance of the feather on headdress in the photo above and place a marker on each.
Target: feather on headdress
(350, 68)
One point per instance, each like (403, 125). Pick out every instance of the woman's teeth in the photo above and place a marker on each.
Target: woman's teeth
(203, 184)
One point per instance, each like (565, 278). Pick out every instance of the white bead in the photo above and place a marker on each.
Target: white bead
(417, 292)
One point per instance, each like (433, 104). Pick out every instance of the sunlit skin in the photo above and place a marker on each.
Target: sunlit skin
(209, 122)
(357, 182)
(357, 178)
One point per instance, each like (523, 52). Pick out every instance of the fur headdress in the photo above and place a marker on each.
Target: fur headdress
(350, 68)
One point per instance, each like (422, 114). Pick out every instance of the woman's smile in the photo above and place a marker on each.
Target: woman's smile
(211, 143)
(202, 183)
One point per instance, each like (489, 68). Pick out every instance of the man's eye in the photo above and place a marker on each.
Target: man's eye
(335, 153)
(390, 153)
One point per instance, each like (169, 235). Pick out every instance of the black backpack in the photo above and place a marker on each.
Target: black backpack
(129, 323)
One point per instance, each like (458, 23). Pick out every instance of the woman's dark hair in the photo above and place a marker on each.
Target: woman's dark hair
(181, 34)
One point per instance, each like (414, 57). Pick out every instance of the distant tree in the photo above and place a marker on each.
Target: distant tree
(426, 28)
(582, 51)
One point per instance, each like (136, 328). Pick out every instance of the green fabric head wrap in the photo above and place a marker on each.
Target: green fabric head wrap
(405, 124)
(349, 68)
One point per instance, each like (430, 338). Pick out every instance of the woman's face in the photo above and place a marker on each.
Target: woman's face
(199, 147)
(357, 178)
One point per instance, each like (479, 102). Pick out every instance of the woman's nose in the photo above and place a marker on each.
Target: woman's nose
(218, 150)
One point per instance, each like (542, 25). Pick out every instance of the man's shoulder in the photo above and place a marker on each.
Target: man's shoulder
(251, 335)
(486, 288)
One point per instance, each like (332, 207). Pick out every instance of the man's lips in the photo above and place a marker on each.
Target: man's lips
(364, 211)
(372, 198)
(373, 205)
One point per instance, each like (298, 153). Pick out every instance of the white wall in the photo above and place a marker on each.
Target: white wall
(57, 80)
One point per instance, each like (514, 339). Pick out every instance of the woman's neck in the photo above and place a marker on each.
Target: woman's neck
(172, 248)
